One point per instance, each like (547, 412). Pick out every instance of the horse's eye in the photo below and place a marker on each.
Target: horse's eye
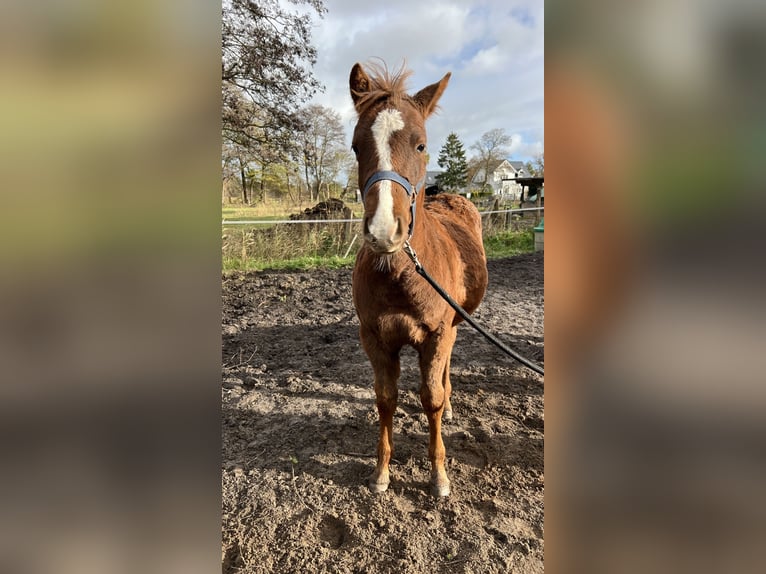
(354, 149)
(421, 148)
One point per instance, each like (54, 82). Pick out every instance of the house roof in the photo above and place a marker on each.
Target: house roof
(478, 176)
(431, 177)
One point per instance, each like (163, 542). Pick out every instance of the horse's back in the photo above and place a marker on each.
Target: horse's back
(462, 222)
(455, 210)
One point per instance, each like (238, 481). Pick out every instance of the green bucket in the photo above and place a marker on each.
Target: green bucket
(539, 235)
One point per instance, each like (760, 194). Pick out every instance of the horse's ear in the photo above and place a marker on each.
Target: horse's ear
(428, 97)
(359, 83)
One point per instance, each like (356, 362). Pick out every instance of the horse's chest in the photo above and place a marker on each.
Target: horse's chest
(400, 328)
(399, 320)
(398, 307)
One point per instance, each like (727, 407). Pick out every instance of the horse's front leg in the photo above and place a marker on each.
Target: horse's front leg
(434, 396)
(386, 366)
(447, 414)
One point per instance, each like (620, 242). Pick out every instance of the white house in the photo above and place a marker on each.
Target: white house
(501, 178)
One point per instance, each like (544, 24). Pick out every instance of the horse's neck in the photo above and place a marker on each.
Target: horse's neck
(422, 240)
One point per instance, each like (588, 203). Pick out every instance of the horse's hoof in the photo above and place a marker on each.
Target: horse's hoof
(439, 482)
(378, 487)
(378, 481)
(440, 489)
(447, 415)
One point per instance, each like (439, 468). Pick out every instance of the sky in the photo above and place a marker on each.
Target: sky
(494, 49)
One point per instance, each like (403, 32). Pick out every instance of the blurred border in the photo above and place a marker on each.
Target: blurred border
(110, 293)
(655, 287)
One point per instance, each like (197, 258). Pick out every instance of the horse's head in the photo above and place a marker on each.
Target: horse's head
(390, 146)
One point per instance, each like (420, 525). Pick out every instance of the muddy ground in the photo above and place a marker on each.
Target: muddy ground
(300, 430)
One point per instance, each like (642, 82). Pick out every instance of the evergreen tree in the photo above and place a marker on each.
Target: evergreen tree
(452, 160)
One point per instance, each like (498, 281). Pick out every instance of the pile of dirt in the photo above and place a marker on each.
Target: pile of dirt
(331, 209)
(300, 430)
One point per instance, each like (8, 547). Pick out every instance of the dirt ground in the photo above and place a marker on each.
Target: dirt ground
(300, 431)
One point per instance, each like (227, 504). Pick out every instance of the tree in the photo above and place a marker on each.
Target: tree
(491, 148)
(350, 170)
(536, 167)
(236, 160)
(323, 147)
(266, 69)
(254, 149)
(452, 160)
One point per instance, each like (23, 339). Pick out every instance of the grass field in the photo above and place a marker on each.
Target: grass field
(306, 246)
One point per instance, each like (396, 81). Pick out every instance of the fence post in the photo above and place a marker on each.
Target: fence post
(347, 225)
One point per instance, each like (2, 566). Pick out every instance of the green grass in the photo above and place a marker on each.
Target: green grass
(297, 247)
(282, 254)
(294, 247)
(231, 264)
(509, 243)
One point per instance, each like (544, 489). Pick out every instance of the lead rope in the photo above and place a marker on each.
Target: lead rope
(462, 312)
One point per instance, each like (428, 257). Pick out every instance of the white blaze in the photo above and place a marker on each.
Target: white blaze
(387, 122)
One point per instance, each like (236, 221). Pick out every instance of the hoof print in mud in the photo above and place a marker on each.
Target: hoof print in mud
(332, 531)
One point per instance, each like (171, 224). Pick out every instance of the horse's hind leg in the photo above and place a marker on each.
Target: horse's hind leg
(434, 396)
(386, 366)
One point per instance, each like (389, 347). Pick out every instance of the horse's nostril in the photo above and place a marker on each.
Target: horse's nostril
(367, 235)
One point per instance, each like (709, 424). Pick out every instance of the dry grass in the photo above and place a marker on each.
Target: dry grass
(259, 247)
(274, 209)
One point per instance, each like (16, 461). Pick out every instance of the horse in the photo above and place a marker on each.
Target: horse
(394, 304)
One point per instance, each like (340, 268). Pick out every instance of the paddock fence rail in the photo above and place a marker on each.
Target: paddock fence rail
(266, 240)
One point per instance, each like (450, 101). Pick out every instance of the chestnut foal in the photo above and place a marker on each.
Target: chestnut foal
(395, 305)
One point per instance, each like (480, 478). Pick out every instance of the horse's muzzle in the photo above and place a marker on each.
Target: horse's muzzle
(388, 240)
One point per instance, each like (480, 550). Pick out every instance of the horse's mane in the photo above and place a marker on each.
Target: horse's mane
(384, 84)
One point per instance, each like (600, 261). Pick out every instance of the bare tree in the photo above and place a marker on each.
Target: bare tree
(536, 167)
(350, 171)
(256, 146)
(236, 159)
(323, 147)
(491, 148)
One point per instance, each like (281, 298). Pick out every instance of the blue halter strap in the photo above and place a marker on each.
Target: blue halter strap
(412, 191)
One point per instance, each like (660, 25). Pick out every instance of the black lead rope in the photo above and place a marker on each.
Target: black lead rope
(462, 312)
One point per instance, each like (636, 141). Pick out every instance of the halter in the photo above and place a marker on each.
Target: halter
(412, 191)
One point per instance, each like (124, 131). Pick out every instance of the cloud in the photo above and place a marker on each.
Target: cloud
(520, 147)
(491, 60)
(494, 50)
